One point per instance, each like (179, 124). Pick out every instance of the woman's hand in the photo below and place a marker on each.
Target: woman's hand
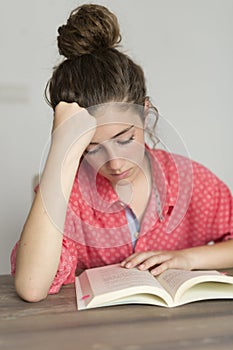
(64, 110)
(74, 122)
(159, 261)
(73, 129)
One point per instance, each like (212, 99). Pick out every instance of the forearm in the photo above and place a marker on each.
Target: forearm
(214, 256)
(41, 239)
(37, 255)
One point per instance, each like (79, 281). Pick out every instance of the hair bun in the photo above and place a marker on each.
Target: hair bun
(89, 28)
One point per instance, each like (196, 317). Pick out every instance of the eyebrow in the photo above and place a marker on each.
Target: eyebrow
(118, 134)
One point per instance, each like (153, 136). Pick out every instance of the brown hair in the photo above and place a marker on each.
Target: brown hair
(94, 71)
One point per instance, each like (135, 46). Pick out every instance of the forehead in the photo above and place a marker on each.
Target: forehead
(108, 131)
(113, 118)
(117, 113)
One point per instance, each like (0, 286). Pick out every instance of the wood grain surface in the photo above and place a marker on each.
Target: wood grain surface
(55, 323)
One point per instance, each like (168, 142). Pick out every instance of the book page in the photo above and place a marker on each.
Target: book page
(172, 279)
(204, 291)
(115, 278)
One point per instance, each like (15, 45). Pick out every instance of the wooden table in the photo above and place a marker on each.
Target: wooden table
(56, 324)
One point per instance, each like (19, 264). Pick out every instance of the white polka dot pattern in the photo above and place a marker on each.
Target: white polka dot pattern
(196, 206)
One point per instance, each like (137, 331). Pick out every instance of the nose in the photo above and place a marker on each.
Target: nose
(114, 162)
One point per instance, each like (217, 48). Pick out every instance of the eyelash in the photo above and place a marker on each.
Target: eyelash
(126, 141)
(121, 143)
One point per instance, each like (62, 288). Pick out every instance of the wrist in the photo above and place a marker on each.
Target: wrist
(199, 257)
(191, 258)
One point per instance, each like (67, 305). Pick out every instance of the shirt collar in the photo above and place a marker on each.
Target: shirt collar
(101, 196)
(177, 172)
(163, 169)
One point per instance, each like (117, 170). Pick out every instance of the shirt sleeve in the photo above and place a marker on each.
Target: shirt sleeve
(221, 221)
(66, 268)
(13, 259)
(215, 202)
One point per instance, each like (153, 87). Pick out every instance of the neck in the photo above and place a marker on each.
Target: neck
(139, 189)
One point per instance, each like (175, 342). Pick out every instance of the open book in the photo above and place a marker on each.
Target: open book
(114, 285)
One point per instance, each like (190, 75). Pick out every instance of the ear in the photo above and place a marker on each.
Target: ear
(147, 105)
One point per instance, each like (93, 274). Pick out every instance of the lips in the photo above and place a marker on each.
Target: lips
(122, 175)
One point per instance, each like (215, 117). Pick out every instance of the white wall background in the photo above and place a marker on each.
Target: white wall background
(186, 50)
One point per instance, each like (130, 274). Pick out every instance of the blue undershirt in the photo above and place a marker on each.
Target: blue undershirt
(133, 224)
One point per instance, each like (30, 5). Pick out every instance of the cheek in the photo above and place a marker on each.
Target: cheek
(134, 153)
(94, 163)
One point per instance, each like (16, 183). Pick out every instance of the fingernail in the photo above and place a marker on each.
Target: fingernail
(128, 265)
(141, 267)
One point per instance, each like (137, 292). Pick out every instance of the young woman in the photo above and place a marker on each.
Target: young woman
(105, 196)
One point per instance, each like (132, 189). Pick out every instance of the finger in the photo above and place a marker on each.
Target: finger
(161, 268)
(137, 259)
(128, 259)
(65, 110)
(172, 263)
(153, 260)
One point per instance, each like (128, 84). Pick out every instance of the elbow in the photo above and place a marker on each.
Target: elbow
(28, 292)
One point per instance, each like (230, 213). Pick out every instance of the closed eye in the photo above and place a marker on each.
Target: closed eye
(118, 138)
(93, 150)
(124, 142)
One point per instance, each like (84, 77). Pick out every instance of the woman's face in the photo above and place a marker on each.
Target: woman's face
(117, 148)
